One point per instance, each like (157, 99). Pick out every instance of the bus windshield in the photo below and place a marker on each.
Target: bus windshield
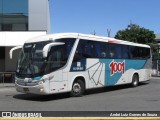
(31, 62)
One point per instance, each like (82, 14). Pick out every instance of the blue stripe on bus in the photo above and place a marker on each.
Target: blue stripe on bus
(112, 79)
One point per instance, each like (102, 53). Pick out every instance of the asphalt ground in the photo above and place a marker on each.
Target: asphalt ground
(95, 102)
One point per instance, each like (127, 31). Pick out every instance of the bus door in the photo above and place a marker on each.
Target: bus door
(58, 83)
(56, 61)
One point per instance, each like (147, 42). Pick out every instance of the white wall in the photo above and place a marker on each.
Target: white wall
(39, 17)
(13, 38)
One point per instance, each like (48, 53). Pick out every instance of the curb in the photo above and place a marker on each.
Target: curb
(7, 85)
(157, 78)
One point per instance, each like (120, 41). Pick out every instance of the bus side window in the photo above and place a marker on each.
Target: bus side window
(147, 53)
(125, 52)
(104, 49)
(131, 51)
(90, 49)
(100, 49)
(112, 51)
(86, 49)
(77, 56)
(119, 51)
(55, 58)
(135, 52)
(78, 52)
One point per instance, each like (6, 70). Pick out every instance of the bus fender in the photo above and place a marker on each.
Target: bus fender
(133, 73)
(75, 78)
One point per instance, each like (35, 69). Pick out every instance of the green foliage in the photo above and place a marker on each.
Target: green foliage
(135, 33)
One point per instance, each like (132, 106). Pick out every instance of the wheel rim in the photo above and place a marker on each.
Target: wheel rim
(135, 83)
(76, 88)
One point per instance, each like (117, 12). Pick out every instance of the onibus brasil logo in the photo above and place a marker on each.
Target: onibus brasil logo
(117, 67)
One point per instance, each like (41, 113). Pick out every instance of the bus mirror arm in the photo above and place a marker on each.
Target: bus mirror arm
(13, 49)
(51, 77)
(47, 48)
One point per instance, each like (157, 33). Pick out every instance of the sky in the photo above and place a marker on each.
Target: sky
(87, 16)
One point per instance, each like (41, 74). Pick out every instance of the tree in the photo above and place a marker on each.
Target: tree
(135, 33)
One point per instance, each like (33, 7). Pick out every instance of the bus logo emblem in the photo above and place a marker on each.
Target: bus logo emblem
(117, 67)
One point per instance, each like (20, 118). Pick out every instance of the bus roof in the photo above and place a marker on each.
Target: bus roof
(82, 36)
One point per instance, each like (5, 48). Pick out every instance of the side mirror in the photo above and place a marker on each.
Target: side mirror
(13, 49)
(47, 48)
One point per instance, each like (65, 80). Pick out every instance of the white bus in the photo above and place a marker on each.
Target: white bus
(73, 62)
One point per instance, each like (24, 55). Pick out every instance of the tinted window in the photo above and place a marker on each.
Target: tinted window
(115, 51)
(139, 52)
(59, 55)
(95, 49)
(90, 49)
(146, 52)
(125, 52)
(103, 49)
(69, 42)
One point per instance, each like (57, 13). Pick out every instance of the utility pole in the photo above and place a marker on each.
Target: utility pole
(108, 32)
(94, 33)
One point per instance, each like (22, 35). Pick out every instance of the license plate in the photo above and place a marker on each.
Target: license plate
(26, 89)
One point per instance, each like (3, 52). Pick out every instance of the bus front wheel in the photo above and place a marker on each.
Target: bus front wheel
(135, 80)
(78, 88)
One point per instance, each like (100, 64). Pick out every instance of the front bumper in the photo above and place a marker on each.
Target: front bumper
(35, 87)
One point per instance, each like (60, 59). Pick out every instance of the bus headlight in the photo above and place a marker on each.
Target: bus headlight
(41, 82)
(41, 90)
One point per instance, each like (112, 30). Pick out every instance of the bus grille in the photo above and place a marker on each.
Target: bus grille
(22, 83)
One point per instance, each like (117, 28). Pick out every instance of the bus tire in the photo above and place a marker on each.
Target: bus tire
(135, 80)
(78, 88)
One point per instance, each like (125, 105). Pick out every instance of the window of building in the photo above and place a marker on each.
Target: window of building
(13, 13)
(15, 7)
(6, 27)
(1, 9)
(2, 55)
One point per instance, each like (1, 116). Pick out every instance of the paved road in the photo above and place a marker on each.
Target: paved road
(145, 97)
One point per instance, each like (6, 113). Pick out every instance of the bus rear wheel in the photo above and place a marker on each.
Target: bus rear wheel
(135, 80)
(78, 88)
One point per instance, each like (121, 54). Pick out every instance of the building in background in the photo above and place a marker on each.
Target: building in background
(19, 21)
